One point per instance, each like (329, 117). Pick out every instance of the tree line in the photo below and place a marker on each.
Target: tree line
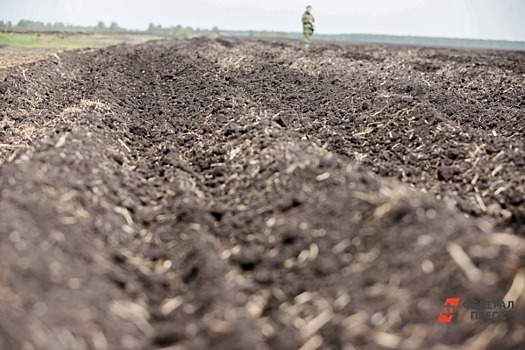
(25, 25)
(156, 29)
(101, 27)
(188, 32)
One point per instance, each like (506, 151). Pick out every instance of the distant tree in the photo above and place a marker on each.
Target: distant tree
(101, 25)
(114, 27)
(23, 23)
(156, 29)
(184, 33)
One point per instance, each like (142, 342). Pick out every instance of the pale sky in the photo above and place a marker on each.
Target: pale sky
(477, 19)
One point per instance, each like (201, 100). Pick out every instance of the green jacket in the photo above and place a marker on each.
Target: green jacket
(308, 22)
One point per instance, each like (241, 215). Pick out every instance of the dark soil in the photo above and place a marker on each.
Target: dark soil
(235, 194)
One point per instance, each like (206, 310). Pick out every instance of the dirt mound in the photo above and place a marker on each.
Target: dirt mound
(235, 194)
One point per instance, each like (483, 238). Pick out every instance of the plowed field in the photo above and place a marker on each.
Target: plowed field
(244, 194)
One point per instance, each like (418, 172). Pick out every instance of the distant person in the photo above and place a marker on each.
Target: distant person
(308, 26)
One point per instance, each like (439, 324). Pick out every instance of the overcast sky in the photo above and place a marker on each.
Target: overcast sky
(479, 19)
